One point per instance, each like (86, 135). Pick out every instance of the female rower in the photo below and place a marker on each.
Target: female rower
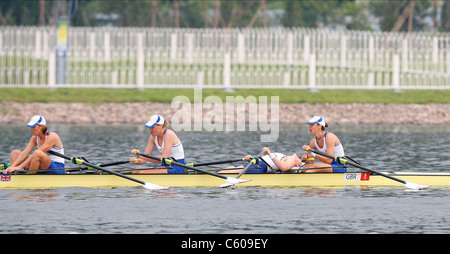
(269, 163)
(325, 142)
(166, 142)
(39, 159)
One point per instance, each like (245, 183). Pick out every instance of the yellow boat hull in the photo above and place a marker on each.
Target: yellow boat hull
(315, 180)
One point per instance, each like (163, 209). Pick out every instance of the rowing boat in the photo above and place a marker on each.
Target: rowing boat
(280, 180)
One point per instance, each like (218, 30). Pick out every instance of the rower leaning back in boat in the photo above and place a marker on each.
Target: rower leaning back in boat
(39, 159)
(270, 163)
(166, 142)
(325, 142)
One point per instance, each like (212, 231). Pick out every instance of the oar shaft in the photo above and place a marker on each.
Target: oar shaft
(79, 161)
(215, 162)
(113, 163)
(344, 161)
(171, 162)
(251, 163)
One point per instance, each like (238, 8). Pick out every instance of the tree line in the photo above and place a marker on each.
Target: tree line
(388, 15)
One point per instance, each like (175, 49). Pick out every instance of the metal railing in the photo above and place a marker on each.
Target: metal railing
(298, 58)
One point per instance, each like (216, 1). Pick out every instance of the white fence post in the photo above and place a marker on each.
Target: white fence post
(92, 45)
(52, 69)
(227, 72)
(396, 73)
(435, 52)
(290, 48)
(189, 48)
(312, 73)
(371, 51)
(107, 55)
(405, 55)
(38, 48)
(306, 48)
(200, 79)
(286, 79)
(140, 62)
(173, 46)
(241, 48)
(343, 51)
(447, 56)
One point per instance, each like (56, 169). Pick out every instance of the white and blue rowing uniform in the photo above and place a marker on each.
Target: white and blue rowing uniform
(176, 153)
(338, 152)
(266, 164)
(56, 161)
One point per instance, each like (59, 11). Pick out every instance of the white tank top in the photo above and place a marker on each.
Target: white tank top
(177, 151)
(338, 149)
(55, 149)
(269, 162)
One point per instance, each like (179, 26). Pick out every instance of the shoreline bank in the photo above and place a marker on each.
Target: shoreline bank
(139, 113)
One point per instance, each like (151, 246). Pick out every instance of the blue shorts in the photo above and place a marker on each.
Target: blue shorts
(53, 165)
(255, 170)
(338, 167)
(174, 169)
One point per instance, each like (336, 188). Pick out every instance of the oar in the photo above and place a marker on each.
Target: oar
(115, 163)
(5, 165)
(409, 185)
(146, 185)
(252, 162)
(168, 161)
(212, 162)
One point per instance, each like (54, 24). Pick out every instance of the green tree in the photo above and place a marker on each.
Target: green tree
(445, 17)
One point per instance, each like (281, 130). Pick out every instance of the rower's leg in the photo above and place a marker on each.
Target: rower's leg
(39, 160)
(13, 156)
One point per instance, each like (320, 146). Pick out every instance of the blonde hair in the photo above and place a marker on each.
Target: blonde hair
(166, 123)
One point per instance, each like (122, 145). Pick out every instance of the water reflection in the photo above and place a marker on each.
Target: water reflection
(36, 197)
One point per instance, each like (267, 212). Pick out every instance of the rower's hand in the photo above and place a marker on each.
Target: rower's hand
(247, 158)
(306, 148)
(9, 170)
(135, 151)
(267, 150)
(137, 161)
(134, 160)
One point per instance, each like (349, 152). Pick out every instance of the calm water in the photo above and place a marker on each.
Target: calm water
(240, 210)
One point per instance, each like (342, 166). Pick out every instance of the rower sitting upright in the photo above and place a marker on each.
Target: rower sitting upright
(166, 142)
(39, 159)
(325, 142)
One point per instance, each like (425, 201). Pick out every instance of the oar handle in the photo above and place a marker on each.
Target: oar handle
(5, 165)
(82, 162)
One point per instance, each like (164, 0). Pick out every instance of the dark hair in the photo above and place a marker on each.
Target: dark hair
(323, 127)
(44, 130)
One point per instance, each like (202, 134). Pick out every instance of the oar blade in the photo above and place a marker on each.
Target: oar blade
(415, 186)
(152, 186)
(231, 181)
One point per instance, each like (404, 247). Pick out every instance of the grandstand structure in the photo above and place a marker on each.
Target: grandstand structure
(281, 58)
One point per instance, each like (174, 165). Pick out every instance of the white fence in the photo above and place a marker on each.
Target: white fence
(220, 58)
